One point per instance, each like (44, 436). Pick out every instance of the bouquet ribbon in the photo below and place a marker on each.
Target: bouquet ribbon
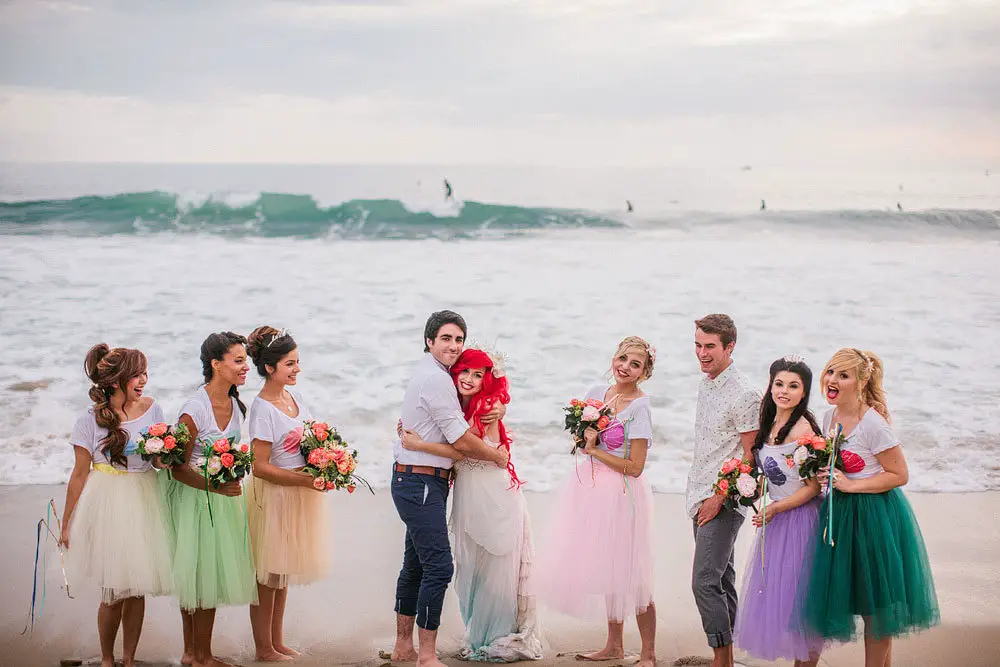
(828, 529)
(50, 512)
(763, 524)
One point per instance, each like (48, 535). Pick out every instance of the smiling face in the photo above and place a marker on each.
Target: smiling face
(286, 371)
(447, 345)
(713, 356)
(629, 366)
(233, 367)
(840, 387)
(787, 390)
(135, 386)
(470, 381)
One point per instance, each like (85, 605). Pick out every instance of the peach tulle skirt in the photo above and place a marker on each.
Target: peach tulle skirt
(291, 533)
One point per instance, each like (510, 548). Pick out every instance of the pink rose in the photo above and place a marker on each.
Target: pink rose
(157, 429)
(576, 402)
(169, 443)
(723, 485)
(221, 446)
(227, 460)
(315, 456)
(594, 403)
(244, 448)
(590, 414)
(343, 467)
(729, 466)
(337, 454)
(745, 468)
(330, 486)
(319, 483)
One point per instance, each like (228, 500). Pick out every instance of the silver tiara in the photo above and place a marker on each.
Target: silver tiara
(280, 334)
(793, 358)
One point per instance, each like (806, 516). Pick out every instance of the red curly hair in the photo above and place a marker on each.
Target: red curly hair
(494, 390)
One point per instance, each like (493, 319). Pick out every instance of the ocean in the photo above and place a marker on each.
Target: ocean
(545, 264)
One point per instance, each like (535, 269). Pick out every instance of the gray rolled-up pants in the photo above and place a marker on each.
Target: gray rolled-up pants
(713, 577)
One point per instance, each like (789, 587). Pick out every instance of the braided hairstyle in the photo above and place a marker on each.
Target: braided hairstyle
(214, 348)
(110, 369)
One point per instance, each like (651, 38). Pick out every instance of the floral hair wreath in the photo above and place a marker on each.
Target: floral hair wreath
(498, 358)
(869, 364)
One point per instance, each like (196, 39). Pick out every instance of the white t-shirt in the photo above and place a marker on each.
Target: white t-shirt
(270, 424)
(199, 407)
(871, 436)
(88, 435)
(636, 418)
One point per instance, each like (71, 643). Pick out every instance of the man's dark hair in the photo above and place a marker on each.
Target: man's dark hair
(438, 320)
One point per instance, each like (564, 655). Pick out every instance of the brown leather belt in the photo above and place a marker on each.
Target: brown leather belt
(444, 473)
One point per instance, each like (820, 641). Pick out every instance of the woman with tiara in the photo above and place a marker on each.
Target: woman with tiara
(212, 563)
(290, 526)
(768, 622)
(870, 561)
(601, 552)
(114, 527)
(490, 524)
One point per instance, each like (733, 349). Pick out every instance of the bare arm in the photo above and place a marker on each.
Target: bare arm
(474, 447)
(412, 442)
(263, 468)
(632, 465)
(185, 474)
(895, 474)
(77, 480)
(746, 441)
(797, 499)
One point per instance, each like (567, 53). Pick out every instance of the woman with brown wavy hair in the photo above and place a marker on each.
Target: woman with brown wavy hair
(114, 527)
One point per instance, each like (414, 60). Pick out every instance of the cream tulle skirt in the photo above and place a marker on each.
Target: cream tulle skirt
(291, 533)
(118, 536)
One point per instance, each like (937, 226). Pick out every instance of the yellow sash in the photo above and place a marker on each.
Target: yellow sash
(109, 470)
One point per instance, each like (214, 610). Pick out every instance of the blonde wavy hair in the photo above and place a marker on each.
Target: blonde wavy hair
(637, 343)
(868, 369)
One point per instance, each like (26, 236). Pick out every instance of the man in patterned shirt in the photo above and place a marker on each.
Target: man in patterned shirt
(726, 424)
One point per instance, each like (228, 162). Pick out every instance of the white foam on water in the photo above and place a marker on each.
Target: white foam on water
(556, 302)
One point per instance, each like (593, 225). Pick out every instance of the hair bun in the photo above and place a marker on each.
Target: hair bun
(258, 339)
(93, 358)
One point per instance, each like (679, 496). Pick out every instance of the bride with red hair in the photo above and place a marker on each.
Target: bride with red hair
(490, 524)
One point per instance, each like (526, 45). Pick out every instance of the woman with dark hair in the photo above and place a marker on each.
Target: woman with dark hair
(290, 527)
(767, 623)
(490, 524)
(114, 529)
(212, 562)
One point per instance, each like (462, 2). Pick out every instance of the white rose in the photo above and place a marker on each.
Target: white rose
(214, 465)
(746, 485)
(801, 455)
(154, 445)
(590, 414)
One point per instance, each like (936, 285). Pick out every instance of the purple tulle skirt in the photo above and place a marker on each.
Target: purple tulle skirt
(769, 620)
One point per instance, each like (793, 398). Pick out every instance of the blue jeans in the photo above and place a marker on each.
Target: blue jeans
(427, 564)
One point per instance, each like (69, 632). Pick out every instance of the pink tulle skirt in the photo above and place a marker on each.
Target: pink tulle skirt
(598, 558)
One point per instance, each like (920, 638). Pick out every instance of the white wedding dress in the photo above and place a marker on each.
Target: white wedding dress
(493, 559)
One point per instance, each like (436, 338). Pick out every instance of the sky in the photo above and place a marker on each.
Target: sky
(636, 83)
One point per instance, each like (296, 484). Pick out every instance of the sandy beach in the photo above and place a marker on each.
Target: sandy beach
(348, 618)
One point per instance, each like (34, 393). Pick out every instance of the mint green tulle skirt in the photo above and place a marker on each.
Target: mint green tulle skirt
(877, 570)
(210, 554)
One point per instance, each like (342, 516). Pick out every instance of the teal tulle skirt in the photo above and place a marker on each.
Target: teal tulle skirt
(211, 556)
(877, 570)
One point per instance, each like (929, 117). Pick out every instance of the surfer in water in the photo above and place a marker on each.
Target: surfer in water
(763, 205)
(899, 207)
(447, 190)
(628, 206)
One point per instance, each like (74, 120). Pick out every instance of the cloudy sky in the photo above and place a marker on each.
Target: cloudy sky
(853, 83)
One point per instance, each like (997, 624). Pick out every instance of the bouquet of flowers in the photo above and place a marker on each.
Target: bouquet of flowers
(164, 442)
(813, 453)
(328, 458)
(738, 483)
(227, 462)
(581, 415)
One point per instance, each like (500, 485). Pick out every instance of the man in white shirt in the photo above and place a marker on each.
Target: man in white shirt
(725, 427)
(420, 484)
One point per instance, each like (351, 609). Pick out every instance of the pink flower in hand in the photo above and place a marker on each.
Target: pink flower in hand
(594, 403)
(221, 446)
(157, 429)
(227, 460)
(169, 443)
(319, 484)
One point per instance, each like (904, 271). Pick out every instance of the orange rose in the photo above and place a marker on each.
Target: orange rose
(595, 403)
(818, 443)
(603, 422)
(157, 429)
(169, 443)
(343, 467)
(723, 486)
(319, 484)
(227, 460)
(244, 448)
(745, 468)
(576, 402)
(221, 446)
